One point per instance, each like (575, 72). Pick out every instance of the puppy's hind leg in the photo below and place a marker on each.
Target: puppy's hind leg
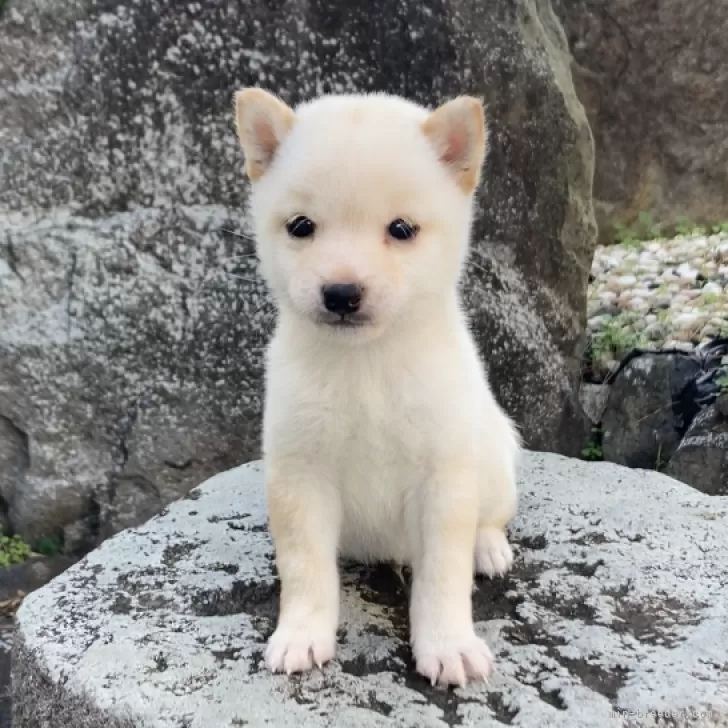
(493, 553)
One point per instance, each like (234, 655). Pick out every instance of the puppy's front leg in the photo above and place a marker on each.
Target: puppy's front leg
(446, 648)
(304, 519)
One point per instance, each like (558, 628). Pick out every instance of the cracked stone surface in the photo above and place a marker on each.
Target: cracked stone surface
(132, 330)
(616, 604)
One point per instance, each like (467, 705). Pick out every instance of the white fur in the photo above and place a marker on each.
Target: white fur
(382, 442)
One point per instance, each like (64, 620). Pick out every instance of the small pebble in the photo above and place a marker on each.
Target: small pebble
(714, 288)
(655, 332)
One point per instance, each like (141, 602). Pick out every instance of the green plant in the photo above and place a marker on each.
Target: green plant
(647, 227)
(13, 550)
(47, 546)
(624, 236)
(642, 229)
(615, 339)
(685, 226)
(592, 451)
(722, 383)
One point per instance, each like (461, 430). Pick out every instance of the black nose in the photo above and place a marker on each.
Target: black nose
(342, 298)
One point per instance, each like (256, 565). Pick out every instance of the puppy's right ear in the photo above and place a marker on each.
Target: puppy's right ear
(262, 122)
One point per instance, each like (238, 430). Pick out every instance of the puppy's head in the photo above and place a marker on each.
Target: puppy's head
(362, 204)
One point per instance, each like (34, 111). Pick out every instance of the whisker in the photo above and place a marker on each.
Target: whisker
(234, 258)
(240, 278)
(235, 234)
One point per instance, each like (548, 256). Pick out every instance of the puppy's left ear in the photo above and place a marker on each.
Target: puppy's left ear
(263, 121)
(457, 132)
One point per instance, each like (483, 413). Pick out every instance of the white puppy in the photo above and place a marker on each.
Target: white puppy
(382, 438)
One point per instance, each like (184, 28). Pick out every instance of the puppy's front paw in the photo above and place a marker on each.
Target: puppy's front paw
(298, 646)
(493, 554)
(453, 659)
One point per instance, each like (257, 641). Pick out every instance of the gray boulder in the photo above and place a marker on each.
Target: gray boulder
(593, 399)
(702, 458)
(615, 608)
(653, 79)
(132, 329)
(641, 424)
(13, 465)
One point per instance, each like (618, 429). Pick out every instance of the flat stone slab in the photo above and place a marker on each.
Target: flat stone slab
(617, 606)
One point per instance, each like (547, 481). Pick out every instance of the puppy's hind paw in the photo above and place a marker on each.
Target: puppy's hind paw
(493, 553)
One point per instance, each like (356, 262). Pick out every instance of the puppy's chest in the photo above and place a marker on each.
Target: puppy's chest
(376, 428)
(379, 461)
(374, 439)
(367, 429)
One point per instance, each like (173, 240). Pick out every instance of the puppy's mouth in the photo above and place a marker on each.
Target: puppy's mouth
(349, 321)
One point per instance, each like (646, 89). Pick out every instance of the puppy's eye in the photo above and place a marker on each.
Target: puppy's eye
(300, 227)
(402, 230)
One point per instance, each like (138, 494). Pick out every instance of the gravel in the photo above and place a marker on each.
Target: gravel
(658, 294)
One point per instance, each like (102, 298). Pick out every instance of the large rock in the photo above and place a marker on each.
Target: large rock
(616, 604)
(666, 406)
(653, 79)
(644, 418)
(13, 465)
(132, 329)
(702, 458)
